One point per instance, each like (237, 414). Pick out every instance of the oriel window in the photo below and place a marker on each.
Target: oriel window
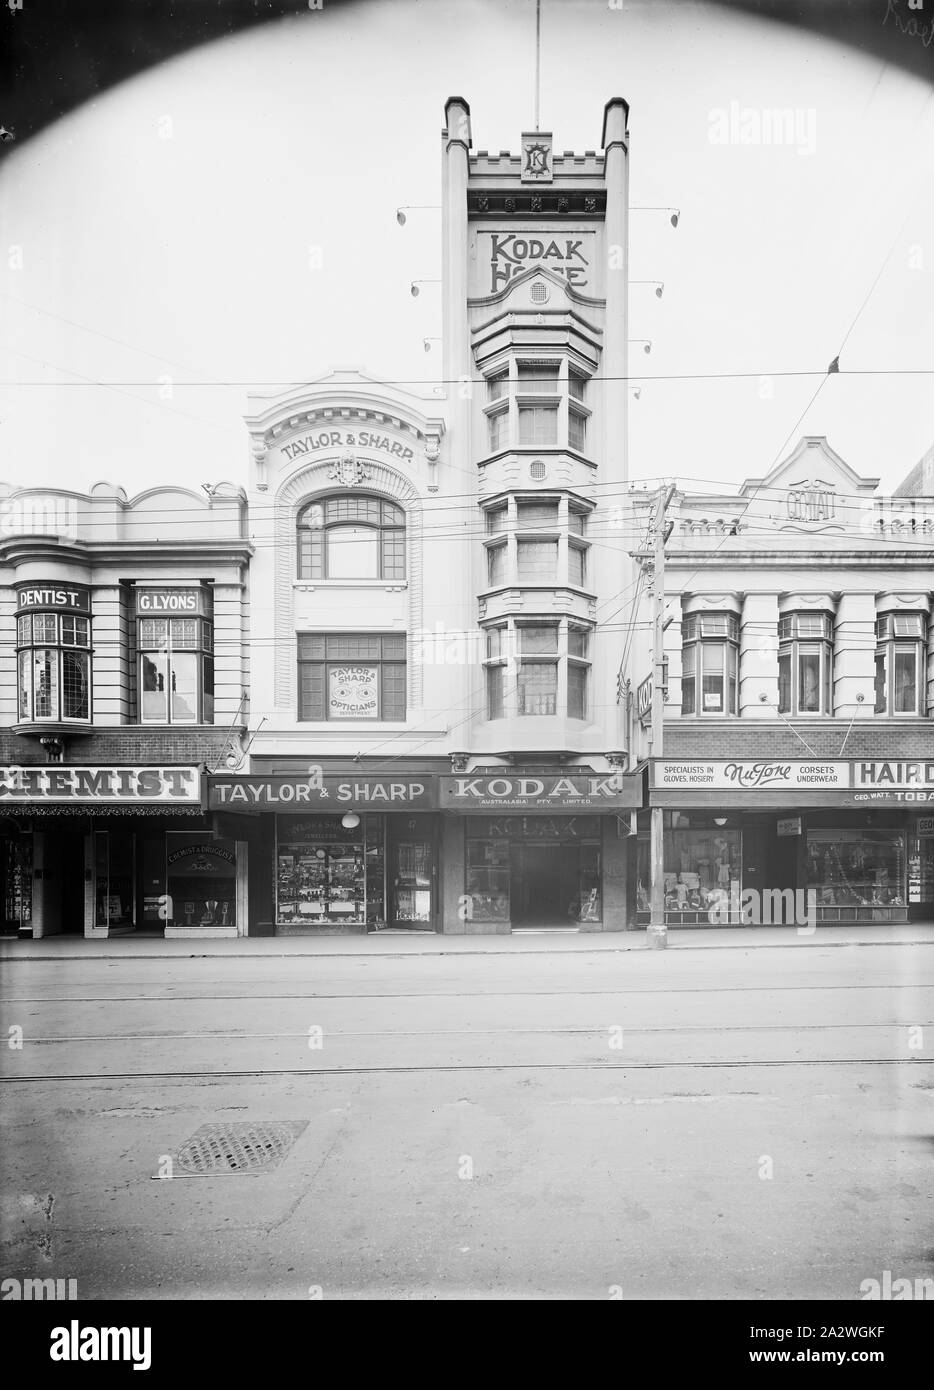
(900, 661)
(53, 667)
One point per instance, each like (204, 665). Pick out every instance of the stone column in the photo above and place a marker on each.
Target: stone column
(854, 656)
(758, 657)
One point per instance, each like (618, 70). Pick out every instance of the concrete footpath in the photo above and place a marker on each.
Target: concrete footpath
(391, 943)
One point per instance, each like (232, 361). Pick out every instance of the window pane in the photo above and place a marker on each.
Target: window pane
(154, 686)
(45, 627)
(185, 687)
(75, 703)
(24, 631)
(575, 565)
(538, 425)
(45, 684)
(907, 624)
(713, 657)
(393, 691)
(207, 694)
(350, 648)
(310, 555)
(577, 691)
(499, 430)
(538, 639)
(184, 633)
(688, 655)
(731, 673)
(784, 682)
(153, 633)
(498, 385)
(577, 641)
(312, 517)
(538, 687)
(576, 385)
(496, 559)
(25, 685)
(311, 690)
(363, 509)
(538, 559)
(494, 641)
(809, 682)
(392, 647)
(537, 515)
(353, 692)
(539, 378)
(393, 543)
(494, 691)
(576, 522)
(496, 519)
(74, 631)
(577, 430)
(353, 552)
(880, 682)
(905, 681)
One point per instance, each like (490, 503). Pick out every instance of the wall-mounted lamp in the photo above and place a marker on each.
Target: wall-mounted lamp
(415, 207)
(350, 820)
(414, 290)
(720, 820)
(659, 286)
(646, 342)
(675, 213)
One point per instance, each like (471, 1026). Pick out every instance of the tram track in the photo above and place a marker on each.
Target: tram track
(447, 1067)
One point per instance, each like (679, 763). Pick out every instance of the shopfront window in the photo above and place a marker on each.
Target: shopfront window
(16, 872)
(805, 658)
(176, 671)
(114, 878)
(329, 875)
(703, 874)
(54, 667)
(856, 873)
(542, 871)
(201, 880)
(900, 662)
(709, 663)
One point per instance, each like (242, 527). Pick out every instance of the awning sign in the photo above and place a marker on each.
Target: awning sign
(325, 794)
(94, 785)
(604, 791)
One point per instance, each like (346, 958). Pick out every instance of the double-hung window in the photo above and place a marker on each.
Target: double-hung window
(900, 652)
(709, 663)
(805, 659)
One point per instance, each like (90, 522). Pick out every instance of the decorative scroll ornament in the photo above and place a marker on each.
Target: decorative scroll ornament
(348, 471)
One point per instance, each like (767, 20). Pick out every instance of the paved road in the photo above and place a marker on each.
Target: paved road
(744, 1123)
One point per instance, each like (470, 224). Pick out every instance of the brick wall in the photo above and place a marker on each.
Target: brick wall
(867, 739)
(117, 746)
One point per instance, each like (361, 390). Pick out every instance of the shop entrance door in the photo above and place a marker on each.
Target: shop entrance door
(544, 887)
(410, 898)
(69, 852)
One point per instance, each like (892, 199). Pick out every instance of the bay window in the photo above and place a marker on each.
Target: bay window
(805, 657)
(176, 671)
(537, 668)
(900, 663)
(709, 663)
(54, 667)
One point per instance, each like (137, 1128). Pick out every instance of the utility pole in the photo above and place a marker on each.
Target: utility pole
(657, 936)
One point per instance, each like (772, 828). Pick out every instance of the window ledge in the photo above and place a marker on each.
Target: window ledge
(310, 585)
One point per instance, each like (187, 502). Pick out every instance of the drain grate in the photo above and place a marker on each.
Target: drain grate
(237, 1148)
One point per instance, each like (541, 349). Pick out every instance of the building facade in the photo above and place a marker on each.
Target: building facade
(123, 682)
(797, 767)
(403, 680)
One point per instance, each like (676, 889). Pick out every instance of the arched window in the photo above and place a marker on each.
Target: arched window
(351, 537)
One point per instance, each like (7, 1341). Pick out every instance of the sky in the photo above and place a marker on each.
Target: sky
(226, 224)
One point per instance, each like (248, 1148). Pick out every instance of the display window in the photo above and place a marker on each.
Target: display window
(114, 878)
(16, 870)
(201, 880)
(487, 882)
(858, 873)
(328, 875)
(703, 876)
